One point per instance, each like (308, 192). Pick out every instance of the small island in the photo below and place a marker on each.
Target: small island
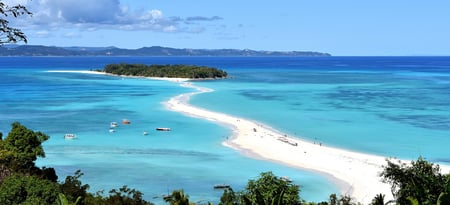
(165, 71)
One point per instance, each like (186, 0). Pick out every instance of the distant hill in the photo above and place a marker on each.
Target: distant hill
(36, 50)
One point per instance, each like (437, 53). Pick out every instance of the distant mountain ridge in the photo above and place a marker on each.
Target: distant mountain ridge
(38, 50)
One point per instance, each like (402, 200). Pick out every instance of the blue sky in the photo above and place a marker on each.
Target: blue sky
(339, 27)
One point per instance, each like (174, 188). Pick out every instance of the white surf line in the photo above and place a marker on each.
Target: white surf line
(124, 76)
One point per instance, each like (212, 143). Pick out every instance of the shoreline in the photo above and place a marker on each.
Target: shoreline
(104, 73)
(170, 79)
(356, 174)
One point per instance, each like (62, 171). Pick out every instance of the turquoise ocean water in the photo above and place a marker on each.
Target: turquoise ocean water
(389, 106)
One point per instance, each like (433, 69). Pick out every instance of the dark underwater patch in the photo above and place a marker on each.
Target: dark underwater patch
(93, 150)
(423, 121)
(260, 95)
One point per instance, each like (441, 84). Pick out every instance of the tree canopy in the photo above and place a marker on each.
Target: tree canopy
(21, 182)
(10, 34)
(270, 189)
(19, 189)
(20, 149)
(420, 181)
(177, 198)
(168, 71)
(266, 189)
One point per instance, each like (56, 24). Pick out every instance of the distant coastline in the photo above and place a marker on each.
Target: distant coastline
(39, 50)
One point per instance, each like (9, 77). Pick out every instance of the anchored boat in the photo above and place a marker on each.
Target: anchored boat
(221, 186)
(113, 124)
(69, 136)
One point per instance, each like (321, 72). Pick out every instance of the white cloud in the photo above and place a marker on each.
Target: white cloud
(85, 11)
(15, 2)
(89, 15)
(152, 15)
(170, 29)
(72, 35)
(42, 34)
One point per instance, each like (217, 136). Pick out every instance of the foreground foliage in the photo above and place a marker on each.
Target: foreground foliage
(421, 181)
(19, 189)
(266, 189)
(10, 34)
(168, 71)
(177, 198)
(19, 151)
(21, 182)
(270, 189)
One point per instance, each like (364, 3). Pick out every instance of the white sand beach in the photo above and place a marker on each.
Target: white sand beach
(76, 71)
(355, 173)
(103, 73)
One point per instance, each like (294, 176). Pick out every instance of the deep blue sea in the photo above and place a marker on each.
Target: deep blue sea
(389, 106)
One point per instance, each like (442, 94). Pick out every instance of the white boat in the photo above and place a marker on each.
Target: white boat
(69, 136)
(113, 124)
(145, 133)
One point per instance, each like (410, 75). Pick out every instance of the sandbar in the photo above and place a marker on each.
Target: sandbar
(104, 73)
(356, 174)
(76, 71)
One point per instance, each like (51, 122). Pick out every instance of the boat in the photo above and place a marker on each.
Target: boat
(145, 133)
(222, 186)
(69, 136)
(111, 130)
(292, 143)
(113, 124)
(163, 129)
(126, 121)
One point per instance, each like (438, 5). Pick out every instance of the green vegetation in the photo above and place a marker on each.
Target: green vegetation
(267, 189)
(270, 189)
(421, 182)
(22, 189)
(167, 71)
(444, 197)
(19, 150)
(177, 198)
(21, 182)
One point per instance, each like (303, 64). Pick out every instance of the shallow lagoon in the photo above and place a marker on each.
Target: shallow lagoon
(387, 106)
(189, 157)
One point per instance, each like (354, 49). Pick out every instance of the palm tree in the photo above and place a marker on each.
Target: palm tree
(177, 198)
(378, 200)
